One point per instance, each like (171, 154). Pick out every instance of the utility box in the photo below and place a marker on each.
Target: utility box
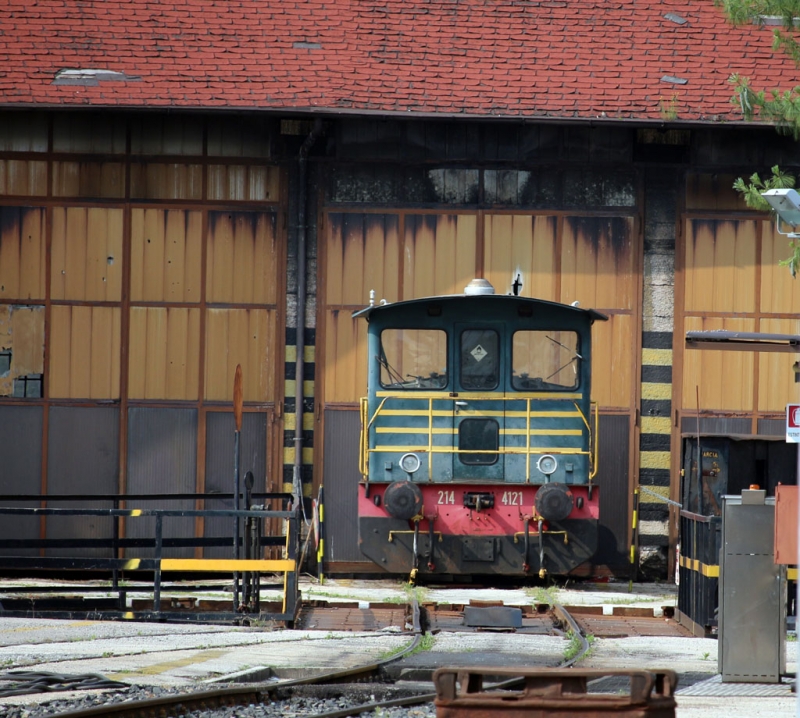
(752, 610)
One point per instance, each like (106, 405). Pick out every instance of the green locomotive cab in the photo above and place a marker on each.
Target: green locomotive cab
(478, 445)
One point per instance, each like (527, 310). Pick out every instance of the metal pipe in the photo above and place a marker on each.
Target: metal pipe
(302, 196)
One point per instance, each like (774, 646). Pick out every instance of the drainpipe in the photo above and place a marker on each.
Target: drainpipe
(302, 193)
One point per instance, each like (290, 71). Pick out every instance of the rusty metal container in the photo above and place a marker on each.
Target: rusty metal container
(553, 693)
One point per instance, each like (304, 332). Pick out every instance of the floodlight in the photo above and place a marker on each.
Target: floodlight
(786, 203)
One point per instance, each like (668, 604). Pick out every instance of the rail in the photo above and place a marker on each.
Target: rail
(31, 554)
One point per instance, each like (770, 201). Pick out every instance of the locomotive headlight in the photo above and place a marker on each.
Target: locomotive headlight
(410, 463)
(547, 464)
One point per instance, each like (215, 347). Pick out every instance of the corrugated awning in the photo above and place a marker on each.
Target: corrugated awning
(743, 341)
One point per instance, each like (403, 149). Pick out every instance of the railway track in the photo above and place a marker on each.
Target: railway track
(351, 690)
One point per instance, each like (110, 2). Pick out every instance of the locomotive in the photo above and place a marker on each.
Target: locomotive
(478, 441)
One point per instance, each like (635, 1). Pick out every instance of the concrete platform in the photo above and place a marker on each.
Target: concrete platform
(168, 655)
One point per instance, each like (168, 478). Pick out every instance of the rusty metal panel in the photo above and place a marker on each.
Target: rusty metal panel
(88, 179)
(220, 429)
(555, 692)
(166, 249)
(22, 252)
(786, 525)
(82, 458)
(153, 180)
(164, 353)
(21, 350)
(612, 478)
(242, 263)
(246, 337)
(21, 459)
(162, 459)
(342, 430)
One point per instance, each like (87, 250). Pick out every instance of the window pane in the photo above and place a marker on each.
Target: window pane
(413, 359)
(478, 434)
(479, 355)
(546, 360)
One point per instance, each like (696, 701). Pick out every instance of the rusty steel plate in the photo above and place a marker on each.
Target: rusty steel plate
(447, 617)
(625, 626)
(351, 617)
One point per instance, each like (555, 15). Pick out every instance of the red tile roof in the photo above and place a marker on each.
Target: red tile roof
(533, 58)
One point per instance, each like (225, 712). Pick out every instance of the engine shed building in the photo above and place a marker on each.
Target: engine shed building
(188, 186)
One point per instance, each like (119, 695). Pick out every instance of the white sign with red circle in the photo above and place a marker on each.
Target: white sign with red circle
(793, 423)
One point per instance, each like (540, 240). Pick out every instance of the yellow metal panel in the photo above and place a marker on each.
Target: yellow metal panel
(521, 245)
(780, 292)
(724, 379)
(22, 253)
(776, 385)
(242, 258)
(611, 368)
(85, 352)
(240, 336)
(165, 347)
(345, 368)
(439, 254)
(86, 258)
(165, 255)
(720, 265)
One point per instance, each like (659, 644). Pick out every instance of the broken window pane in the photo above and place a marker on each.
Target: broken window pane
(21, 351)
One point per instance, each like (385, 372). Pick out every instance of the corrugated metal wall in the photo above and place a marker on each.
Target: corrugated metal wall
(162, 454)
(83, 458)
(219, 476)
(21, 470)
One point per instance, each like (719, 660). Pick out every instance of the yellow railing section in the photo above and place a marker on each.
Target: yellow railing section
(591, 424)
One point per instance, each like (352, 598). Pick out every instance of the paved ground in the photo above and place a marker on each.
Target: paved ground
(170, 655)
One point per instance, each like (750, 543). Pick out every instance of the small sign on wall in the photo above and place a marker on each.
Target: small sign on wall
(793, 423)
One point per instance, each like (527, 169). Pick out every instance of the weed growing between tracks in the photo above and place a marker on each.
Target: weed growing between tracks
(574, 645)
(425, 644)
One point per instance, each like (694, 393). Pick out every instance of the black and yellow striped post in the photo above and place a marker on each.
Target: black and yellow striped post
(319, 530)
(634, 532)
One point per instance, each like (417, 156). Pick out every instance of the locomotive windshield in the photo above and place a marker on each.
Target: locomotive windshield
(546, 360)
(479, 359)
(413, 359)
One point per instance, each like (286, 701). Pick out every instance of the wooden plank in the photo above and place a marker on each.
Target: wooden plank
(419, 246)
(58, 257)
(334, 259)
(345, 366)
(611, 367)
